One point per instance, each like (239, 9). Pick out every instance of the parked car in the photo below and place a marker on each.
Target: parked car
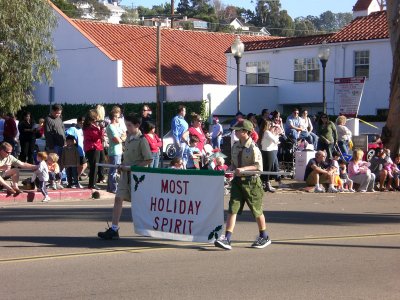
(374, 142)
(169, 149)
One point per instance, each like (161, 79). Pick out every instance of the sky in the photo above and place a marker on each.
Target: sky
(295, 8)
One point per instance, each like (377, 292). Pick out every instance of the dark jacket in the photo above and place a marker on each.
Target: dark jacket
(54, 132)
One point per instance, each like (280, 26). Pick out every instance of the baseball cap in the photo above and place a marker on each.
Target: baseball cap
(245, 124)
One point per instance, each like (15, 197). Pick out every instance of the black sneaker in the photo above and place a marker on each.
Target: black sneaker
(261, 242)
(223, 243)
(109, 234)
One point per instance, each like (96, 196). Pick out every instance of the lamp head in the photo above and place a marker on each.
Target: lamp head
(237, 47)
(323, 52)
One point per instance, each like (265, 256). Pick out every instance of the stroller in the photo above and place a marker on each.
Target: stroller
(286, 154)
(345, 157)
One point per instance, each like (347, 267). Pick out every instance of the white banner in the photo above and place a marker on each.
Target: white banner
(348, 93)
(184, 205)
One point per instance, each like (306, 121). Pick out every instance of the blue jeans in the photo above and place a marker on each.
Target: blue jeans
(72, 175)
(314, 138)
(216, 142)
(180, 149)
(156, 160)
(344, 147)
(292, 133)
(112, 182)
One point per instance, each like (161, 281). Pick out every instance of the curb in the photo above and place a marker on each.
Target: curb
(33, 196)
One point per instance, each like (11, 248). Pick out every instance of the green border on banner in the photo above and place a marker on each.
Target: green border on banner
(177, 171)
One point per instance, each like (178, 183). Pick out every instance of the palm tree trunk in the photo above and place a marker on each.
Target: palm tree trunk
(391, 134)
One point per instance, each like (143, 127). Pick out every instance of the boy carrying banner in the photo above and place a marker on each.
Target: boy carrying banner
(137, 153)
(245, 188)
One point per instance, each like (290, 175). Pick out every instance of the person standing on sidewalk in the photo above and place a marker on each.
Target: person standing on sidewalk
(116, 137)
(54, 130)
(137, 153)
(93, 135)
(245, 188)
(179, 129)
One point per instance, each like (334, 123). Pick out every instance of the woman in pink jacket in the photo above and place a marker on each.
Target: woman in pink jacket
(93, 135)
(360, 173)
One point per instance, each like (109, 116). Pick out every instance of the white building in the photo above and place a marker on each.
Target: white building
(291, 64)
(116, 11)
(113, 63)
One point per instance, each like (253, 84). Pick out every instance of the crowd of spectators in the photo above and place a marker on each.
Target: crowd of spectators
(99, 137)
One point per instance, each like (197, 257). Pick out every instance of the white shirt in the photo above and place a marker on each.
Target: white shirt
(269, 141)
(42, 173)
(217, 128)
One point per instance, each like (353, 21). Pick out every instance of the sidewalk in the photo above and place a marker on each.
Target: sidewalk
(59, 195)
(66, 194)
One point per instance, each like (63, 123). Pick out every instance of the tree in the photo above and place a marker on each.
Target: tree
(303, 27)
(327, 21)
(100, 11)
(131, 16)
(27, 53)
(391, 131)
(184, 8)
(68, 8)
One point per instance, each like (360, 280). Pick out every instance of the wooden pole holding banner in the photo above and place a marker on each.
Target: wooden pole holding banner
(122, 167)
(128, 168)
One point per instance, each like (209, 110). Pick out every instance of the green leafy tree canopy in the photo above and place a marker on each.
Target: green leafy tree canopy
(27, 53)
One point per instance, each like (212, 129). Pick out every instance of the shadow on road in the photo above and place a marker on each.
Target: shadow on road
(103, 214)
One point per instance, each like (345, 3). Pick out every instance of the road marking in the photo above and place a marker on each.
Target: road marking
(181, 245)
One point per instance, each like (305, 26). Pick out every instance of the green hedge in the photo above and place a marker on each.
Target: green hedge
(72, 111)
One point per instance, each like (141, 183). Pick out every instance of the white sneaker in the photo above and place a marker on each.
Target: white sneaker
(341, 190)
(46, 199)
(319, 190)
(352, 191)
(332, 190)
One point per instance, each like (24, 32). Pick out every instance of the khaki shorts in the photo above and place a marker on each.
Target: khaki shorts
(124, 186)
(312, 178)
(246, 190)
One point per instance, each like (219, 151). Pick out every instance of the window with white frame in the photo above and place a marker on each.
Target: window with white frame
(257, 72)
(306, 69)
(361, 63)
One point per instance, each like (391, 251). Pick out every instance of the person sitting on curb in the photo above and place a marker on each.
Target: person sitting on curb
(318, 172)
(6, 162)
(377, 168)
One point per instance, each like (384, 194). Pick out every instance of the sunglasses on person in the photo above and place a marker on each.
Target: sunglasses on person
(8, 152)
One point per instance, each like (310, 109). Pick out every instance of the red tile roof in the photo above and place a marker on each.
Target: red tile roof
(370, 27)
(287, 42)
(187, 57)
(362, 5)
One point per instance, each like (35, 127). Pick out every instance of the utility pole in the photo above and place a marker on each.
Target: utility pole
(172, 13)
(158, 71)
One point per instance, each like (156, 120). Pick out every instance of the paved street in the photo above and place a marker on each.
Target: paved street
(332, 246)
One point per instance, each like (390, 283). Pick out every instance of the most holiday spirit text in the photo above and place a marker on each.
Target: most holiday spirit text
(177, 211)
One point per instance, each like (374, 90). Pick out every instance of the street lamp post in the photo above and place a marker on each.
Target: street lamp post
(237, 50)
(323, 55)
